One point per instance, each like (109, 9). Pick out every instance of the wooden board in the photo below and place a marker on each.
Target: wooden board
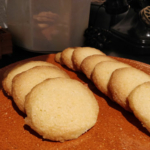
(116, 129)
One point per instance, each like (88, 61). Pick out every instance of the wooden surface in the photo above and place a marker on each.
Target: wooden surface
(116, 129)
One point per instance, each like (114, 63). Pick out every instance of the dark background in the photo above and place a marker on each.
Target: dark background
(98, 19)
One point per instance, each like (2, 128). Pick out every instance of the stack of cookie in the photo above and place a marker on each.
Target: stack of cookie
(127, 86)
(56, 105)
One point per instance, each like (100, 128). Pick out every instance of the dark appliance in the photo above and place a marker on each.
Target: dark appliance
(128, 27)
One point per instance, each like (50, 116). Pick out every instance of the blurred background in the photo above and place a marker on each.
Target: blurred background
(31, 28)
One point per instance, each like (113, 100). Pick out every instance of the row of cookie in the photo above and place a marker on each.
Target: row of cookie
(56, 106)
(117, 80)
(19, 81)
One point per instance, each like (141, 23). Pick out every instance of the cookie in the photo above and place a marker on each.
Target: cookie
(25, 81)
(102, 73)
(123, 81)
(81, 53)
(57, 109)
(139, 102)
(66, 57)
(58, 58)
(90, 62)
(7, 81)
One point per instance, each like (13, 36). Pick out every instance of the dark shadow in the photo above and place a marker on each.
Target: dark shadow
(65, 67)
(133, 120)
(128, 115)
(26, 127)
(6, 95)
(14, 105)
(83, 77)
(17, 109)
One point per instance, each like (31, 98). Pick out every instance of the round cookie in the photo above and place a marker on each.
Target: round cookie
(57, 109)
(102, 73)
(90, 62)
(81, 53)
(123, 81)
(66, 57)
(139, 102)
(7, 81)
(25, 81)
